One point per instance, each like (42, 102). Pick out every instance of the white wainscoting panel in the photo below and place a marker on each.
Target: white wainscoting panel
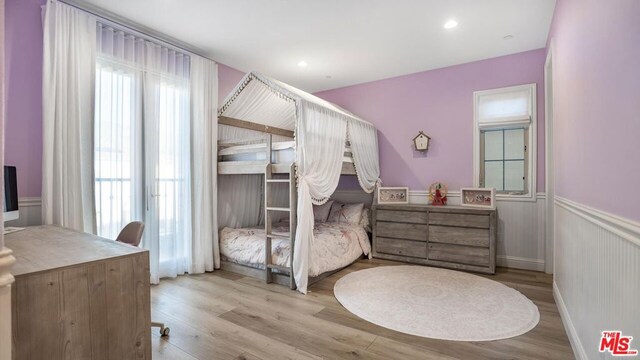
(596, 275)
(30, 212)
(521, 226)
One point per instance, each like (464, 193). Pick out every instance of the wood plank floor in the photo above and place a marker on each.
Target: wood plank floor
(223, 315)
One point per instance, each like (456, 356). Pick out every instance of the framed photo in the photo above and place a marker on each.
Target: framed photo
(393, 195)
(478, 198)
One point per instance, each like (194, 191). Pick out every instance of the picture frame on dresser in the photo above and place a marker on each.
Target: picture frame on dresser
(483, 198)
(393, 195)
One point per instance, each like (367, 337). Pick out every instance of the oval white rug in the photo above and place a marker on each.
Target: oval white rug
(437, 303)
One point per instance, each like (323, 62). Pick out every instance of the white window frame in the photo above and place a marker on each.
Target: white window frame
(532, 149)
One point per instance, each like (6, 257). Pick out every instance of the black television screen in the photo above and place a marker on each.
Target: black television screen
(10, 189)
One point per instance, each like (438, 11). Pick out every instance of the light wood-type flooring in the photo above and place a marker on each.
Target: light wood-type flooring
(222, 315)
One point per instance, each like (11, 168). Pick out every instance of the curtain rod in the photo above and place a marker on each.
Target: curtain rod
(139, 30)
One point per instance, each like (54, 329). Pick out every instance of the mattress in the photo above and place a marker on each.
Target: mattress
(335, 246)
(281, 152)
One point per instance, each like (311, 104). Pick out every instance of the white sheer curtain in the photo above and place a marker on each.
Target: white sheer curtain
(68, 105)
(320, 136)
(167, 132)
(143, 150)
(364, 145)
(204, 134)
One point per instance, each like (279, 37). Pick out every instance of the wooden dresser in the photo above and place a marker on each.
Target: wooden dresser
(78, 296)
(445, 236)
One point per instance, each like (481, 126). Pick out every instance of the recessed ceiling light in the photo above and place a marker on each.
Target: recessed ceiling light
(302, 64)
(450, 24)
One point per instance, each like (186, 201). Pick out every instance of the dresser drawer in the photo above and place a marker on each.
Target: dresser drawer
(459, 254)
(401, 230)
(462, 220)
(459, 235)
(415, 217)
(417, 249)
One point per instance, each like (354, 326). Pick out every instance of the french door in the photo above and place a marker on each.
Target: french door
(142, 161)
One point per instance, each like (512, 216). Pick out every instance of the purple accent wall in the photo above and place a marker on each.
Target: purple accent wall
(228, 78)
(596, 84)
(23, 65)
(440, 102)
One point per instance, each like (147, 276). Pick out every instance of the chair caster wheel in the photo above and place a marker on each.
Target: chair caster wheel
(164, 331)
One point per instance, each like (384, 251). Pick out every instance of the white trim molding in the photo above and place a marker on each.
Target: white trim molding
(574, 340)
(532, 150)
(549, 161)
(625, 228)
(520, 263)
(29, 202)
(6, 279)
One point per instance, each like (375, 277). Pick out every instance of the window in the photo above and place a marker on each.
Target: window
(504, 140)
(503, 160)
(115, 128)
(142, 146)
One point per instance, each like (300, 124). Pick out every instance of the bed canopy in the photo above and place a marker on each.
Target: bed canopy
(321, 130)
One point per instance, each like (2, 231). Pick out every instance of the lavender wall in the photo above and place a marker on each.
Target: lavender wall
(596, 82)
(228, 78)
(23, 126)
(440, 102)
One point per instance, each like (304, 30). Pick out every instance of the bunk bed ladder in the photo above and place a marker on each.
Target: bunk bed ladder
(268, 219)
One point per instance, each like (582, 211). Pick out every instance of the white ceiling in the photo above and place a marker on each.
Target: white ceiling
(352, 41)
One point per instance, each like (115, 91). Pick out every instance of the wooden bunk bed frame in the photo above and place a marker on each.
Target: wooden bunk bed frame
(271, 273)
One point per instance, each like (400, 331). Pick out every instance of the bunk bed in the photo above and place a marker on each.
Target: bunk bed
(306, 144)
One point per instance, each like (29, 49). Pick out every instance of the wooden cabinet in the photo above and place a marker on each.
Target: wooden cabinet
(446, 236)
(78, 296)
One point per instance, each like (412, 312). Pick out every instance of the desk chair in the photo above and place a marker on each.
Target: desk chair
(132, 234)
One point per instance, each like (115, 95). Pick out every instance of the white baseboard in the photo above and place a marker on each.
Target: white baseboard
(576, 344)
(520, 263)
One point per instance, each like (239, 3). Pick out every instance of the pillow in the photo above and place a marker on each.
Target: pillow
(365, 222)
(346, 213)
(321, 212)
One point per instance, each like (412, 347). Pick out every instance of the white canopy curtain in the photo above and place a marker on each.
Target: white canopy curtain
(364, 145)
(154, 151)
(321, 130)
(68, 105)
(321, 135)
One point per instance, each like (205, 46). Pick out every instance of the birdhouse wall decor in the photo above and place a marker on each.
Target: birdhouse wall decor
(421, 142)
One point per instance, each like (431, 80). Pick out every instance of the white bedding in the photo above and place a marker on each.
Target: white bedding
(335, 246)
